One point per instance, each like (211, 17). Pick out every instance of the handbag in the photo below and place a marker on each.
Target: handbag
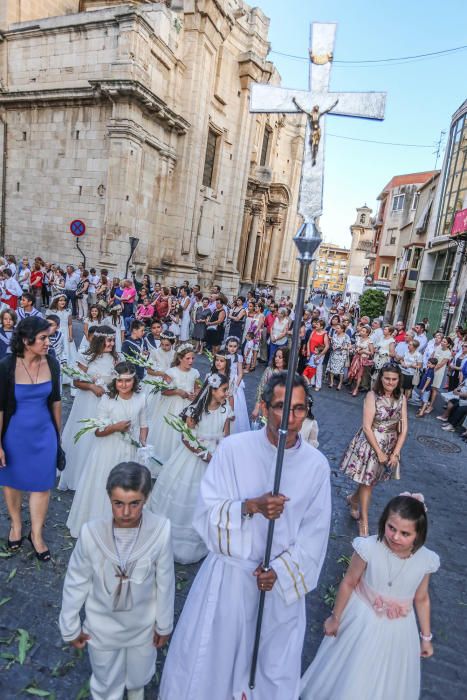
(61, 458)
(416, 378)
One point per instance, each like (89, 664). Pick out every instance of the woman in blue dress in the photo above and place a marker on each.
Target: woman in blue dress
(30, 421)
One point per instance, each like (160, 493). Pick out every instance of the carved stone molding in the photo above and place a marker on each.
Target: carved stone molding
(115, 90)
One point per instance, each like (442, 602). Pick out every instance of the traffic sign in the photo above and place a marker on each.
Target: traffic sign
(77, 227)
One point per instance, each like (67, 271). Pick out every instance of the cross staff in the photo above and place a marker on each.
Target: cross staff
(315, 103)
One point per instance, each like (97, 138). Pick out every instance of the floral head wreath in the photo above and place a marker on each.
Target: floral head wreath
(59, 296)
(232, 338)
(125, 375)
(103, 334)
(167, 335)
(418, 497)
(185, 347)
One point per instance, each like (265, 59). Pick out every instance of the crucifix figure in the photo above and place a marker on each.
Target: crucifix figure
(316, 103)
(313, 122)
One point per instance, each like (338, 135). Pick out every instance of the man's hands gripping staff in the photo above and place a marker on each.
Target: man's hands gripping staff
(270, 507)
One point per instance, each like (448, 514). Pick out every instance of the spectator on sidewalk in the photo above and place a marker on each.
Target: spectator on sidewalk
(72, 278)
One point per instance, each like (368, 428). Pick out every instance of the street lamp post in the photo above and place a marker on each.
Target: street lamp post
(307, 241)
(133, 244)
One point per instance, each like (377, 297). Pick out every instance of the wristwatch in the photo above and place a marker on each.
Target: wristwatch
(245, 513)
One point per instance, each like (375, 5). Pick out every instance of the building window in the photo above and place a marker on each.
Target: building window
(443, 265)
(398, 202)
(455, 177)
(417, 254)
(209, 163)
(384, 272)
(265, 146)
(391, 236)
(362, 219)
(415, 199)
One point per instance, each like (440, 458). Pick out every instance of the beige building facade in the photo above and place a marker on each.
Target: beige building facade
(133, 117)
(331, 268)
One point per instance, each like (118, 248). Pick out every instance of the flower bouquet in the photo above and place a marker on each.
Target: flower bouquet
(187, 434)
(144, 452)
(75, 373)
(209, 355)
(157, 385)
(89, 424)
(138, 361)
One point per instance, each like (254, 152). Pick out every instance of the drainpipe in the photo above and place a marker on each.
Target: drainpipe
(3, 204)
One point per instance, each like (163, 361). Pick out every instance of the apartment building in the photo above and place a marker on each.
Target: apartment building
(331, 268)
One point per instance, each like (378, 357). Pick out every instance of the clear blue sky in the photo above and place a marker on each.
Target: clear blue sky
(422, 95)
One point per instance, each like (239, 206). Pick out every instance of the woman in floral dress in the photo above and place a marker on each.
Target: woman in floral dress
(253, 324)
(374, 452)
(340, 345)
(362, 359)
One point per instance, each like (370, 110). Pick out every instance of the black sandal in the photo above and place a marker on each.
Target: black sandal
(14, 545)
(42, 556)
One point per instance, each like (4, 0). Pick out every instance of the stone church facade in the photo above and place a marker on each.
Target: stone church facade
(133, 117)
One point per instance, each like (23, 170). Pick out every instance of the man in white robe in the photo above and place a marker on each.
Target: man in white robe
(210, 654)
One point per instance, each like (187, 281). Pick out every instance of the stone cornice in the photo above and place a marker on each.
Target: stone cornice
(148, 101)
(101, 19)
(126, 128)
(113, 90)
(77, 22)
(252, 67)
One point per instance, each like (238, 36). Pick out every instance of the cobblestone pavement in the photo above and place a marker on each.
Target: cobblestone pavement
(33, 656)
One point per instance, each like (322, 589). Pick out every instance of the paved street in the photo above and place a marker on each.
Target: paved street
(433, 462)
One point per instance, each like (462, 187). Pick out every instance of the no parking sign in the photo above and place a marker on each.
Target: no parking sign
(78, 228)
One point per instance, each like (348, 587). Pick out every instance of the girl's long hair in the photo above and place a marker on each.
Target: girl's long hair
(54, 303)
(100, 314)
(200, 405)
(97, 344)
(179, 354)
(123, 368)
(228, 364)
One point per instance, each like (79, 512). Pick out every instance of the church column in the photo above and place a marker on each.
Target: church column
(274, 250)
(250, 255)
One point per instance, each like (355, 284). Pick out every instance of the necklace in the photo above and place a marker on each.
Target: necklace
(27, 371)
(392, 577)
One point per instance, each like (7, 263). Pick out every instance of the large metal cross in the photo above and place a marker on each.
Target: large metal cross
(316, 103)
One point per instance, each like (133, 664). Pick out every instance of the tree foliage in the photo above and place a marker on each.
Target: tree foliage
(372, 303)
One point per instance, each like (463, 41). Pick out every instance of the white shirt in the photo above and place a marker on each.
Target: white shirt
(93, 280)
(423, 341)
(71, 281)
(376, 336)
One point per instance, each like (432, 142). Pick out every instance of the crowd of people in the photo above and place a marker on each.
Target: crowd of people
(168, 466)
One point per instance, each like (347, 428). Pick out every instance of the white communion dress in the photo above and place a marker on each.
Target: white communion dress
(164, 438)
(242, 420)
(376, 653)
(84, 406)
(176, 491)
(70, 352)
(91, 499)
(161, 361)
